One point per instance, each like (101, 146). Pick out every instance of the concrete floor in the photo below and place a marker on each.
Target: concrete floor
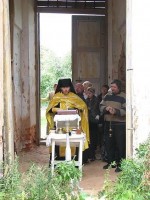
(93, 172)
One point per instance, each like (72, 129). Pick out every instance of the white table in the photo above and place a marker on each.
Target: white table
(76, 140)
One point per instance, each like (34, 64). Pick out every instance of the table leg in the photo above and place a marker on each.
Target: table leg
(80, 154)
(53, 156)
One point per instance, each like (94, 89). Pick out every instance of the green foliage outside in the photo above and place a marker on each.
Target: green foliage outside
(39, 184)
(133, 183)
(52, 69)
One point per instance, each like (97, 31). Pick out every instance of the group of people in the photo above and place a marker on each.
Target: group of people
(107, 108)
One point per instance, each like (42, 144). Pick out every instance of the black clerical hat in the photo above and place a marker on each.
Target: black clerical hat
(66, 82)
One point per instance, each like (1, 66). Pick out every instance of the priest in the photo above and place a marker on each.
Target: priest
(65, 98)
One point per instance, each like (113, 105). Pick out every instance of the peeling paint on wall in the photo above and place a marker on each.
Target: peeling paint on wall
(24, 81)
(28, 138)
(122, 67)
(118, 18)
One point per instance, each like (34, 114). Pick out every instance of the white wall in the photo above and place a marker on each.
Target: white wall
(18, 81)
(1, 77)
(1, 82)
(6, 116)
(137, 46)
(138, 60)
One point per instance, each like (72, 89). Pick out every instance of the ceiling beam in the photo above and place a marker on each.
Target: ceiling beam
(72, 11)
(72, 4)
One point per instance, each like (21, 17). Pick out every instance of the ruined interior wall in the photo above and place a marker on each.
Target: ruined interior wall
(6, 117)
(1, 82)
(138, 60)
(24, 74)
(32, 72)
(116, 40)
(16, 72)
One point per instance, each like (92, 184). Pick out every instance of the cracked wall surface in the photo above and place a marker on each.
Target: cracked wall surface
(23, 71)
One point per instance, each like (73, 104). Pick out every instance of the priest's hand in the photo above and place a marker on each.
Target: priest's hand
(55, 110)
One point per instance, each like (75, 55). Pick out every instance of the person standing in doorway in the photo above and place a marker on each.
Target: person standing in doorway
(86, 84)
(47, 99)
(50, 95)
(79, 90)
(101, 138)
(64, 99)
(113, 106)
(104, 91)
(93, 111)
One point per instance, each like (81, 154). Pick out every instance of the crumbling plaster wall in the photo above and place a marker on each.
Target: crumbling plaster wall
(138, 71)
(23, 70)
(128, 60)
(6, 116)
(1, 82)
(116, 40)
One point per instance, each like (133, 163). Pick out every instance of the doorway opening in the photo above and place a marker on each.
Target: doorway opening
(55, 58)
(84, 60)
(63, 8)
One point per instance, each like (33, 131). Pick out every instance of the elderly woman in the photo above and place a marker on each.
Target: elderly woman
(93, 111)
(86, 84)
(64, 99)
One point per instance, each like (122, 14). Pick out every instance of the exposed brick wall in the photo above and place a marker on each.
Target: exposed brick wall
(28, 138)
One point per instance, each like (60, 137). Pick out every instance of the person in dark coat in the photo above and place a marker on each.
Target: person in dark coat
(104, 91)
(79, 90)
(113, 106)
(93, 111)
(101, 139)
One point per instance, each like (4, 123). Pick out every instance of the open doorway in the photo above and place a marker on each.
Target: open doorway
(55, 58)
(85, 60)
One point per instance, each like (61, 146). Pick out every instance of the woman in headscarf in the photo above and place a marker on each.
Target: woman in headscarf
(93, 111)
(64, 99)
(86, 84)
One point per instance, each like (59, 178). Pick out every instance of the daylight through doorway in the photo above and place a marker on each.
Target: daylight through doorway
(55, 58)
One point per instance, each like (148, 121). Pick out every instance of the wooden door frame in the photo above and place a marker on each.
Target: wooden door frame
(86, 12)
(37, 71)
